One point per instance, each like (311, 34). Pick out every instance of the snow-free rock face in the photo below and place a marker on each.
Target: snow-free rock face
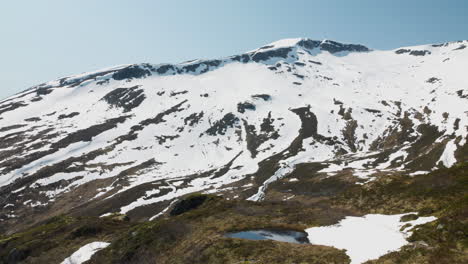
(131, 139)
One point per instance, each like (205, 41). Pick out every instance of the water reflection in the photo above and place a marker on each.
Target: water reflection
(282, 235)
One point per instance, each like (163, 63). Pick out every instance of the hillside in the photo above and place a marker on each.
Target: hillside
(296, 122)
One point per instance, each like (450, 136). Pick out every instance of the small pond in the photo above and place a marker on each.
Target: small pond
(282, 235)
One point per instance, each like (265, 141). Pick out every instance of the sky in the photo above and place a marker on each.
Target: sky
(48, 39)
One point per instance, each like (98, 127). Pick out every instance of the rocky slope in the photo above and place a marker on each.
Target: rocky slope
(295, 120)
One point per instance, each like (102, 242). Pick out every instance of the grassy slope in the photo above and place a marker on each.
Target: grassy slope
(196, 236)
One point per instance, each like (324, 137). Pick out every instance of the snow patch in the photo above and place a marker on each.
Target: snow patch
(448, 156)
(85, 253)
(368, 237)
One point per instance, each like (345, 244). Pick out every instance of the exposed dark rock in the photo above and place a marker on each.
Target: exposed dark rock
(337, 102)
(126, 98)
(177, 93)
(413, 52)
(266, 47)
(212, 63)
(308, 43)
(374, 111)
(299, 76)
(297, 83)
(241, 58)
(241, 107)
(254, 139)
(419, 52)
(106, 81)
(220, 127)
(63, 116)
(163, 138)
(36, 99)
(341, 112)
(32, 119)
(265, 97)
(11, 106)
(432, 80)
(456, 124)
(276, 53)
(397, 135)
(426, 110)
(131, 72)
(334, 47)
(72, 82)
(43, 91)
(207, 64)
(225, 169)
(309, 121)
(424, 153)
(88, 133)
(461, 94)
(52, 169)
(326, 77)
(159, 118)
(299, 64)
(191, 67)
(402, 51)
(23, 142)
(4, 129)
(308, 129)
(165, 68)
(349, 133)
(187, 204)
(193, 119)
(315, 62)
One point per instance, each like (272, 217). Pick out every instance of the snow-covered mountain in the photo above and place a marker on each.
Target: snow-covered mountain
(134, 138)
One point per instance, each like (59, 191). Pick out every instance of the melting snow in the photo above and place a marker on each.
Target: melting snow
(365, 238)
(85, 253)
(448, 157)
(418, 173)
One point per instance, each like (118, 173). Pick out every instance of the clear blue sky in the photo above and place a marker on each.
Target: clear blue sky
(47, 39)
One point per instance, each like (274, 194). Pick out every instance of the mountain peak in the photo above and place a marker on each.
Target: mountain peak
(310, 44)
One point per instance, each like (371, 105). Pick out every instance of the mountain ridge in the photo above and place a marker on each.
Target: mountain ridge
(133, 139)
(283, 43)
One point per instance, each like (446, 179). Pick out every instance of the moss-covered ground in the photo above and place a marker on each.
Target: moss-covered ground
(196, 233)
